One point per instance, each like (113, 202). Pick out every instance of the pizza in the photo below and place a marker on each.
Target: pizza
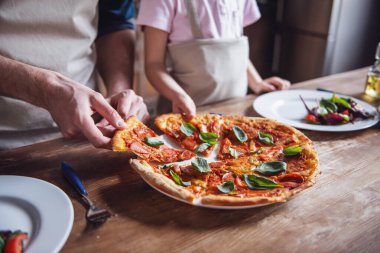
(146, 144)
(258, 161)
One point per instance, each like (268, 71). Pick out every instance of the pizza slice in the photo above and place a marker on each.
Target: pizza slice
(199, 135)
(146, 144)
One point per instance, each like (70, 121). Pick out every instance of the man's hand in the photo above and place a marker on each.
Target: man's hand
(184, 105)
(72, 104)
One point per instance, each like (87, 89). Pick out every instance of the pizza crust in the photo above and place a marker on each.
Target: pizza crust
(220, 200)
(160, 181)
(312, 161)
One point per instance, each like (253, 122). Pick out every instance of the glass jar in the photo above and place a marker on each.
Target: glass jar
(372, 87)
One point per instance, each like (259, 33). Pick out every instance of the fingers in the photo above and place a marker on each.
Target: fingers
(128, 104)
(186, 108)
(278, 83)
(93, 134)
(266, 87)
(189, 114)
(101, 105)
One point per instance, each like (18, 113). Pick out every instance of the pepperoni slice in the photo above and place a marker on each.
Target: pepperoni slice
(291, 181)
(238, 182)
(138, 147)
(186, 155)
(229, 176)
(292, 177)
(189, 142)
(215, 165)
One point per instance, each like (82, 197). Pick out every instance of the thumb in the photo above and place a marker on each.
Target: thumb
(101, 105)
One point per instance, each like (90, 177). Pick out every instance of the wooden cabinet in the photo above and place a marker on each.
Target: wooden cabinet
(313, 38)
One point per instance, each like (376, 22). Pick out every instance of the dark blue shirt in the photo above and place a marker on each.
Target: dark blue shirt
(115, 15)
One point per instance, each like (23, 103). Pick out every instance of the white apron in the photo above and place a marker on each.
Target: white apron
(209, 70)
(54, 35)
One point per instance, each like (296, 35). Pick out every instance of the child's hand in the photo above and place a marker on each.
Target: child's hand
(271, 84)
(185, 105)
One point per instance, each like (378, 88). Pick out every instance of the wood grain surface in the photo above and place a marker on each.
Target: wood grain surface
(340, 213)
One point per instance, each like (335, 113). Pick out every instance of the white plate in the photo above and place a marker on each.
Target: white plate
(37, 207)
(287, 107)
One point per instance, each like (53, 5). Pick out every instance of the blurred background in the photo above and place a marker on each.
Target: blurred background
(301, 40)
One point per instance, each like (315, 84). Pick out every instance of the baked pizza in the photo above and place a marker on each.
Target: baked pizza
(258, 161)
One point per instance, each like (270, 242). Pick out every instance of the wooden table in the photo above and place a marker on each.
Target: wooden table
(340, 213)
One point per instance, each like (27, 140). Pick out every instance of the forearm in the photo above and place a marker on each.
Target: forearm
(254, 77)
(116, 60)
(162, 81)
(25, 82)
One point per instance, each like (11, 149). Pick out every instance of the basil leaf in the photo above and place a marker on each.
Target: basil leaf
(271, 168)
(330, 106)
(240, 134)
(292, 150)
(226, 187)
(166, 166)
(187, 129)
(266, 138)
(202, 147)
(153, 141)
(233, 152)
(208, 137)
(341, 101)
(259, 183)
(200, 164)
(178, 180)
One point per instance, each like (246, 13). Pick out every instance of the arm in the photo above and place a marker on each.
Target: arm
(155, 51)
(115, 49)
(71, 104)
(15, 75)
(115, 63)
(258, 85)
(115, 60)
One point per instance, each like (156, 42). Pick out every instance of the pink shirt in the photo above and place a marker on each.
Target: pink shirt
(218, 18)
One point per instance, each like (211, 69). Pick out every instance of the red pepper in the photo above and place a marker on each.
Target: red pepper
(14, 242)
(346, 112)
(311, 118)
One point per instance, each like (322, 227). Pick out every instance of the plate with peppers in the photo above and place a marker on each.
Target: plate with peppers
(35, 216)
(317, 110)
